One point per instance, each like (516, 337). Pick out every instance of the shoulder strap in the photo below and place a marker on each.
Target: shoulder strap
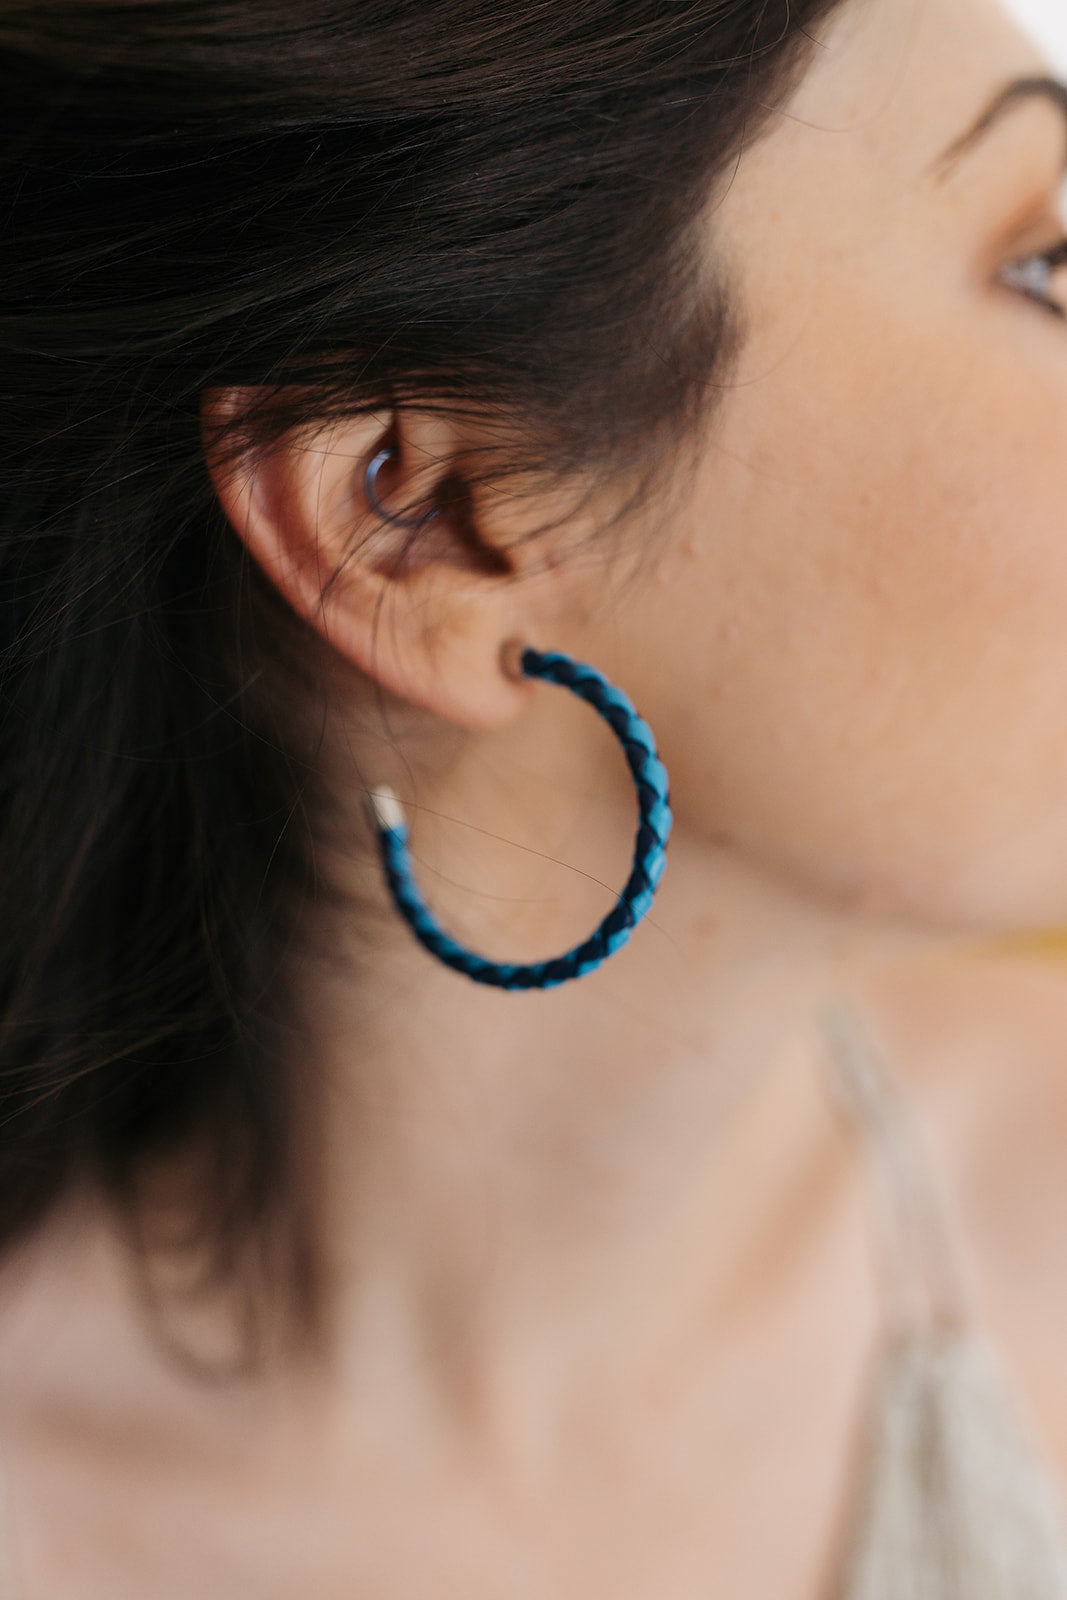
(923, 1278)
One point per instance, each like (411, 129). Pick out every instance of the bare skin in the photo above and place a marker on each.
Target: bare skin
(601, 1301)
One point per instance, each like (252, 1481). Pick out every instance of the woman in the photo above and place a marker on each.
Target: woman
(352, 352)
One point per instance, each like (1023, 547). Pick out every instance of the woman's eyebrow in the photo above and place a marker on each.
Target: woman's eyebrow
(1019, 92)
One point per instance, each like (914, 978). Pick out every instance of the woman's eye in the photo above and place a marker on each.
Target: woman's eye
(1042, 278)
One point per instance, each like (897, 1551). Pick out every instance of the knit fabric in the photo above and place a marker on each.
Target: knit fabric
(955, 1504)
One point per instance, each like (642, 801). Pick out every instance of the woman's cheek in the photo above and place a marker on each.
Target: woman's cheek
(877, 662)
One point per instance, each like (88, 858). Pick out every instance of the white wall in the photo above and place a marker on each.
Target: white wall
(1047, 19)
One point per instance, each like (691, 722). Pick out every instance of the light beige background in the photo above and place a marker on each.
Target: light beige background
(1048, 20)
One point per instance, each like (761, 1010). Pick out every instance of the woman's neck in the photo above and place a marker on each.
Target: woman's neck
(522, 1187)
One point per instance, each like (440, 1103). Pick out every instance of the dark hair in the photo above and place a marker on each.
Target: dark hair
(339, 204)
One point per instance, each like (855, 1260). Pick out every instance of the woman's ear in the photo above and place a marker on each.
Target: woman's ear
(395, 573)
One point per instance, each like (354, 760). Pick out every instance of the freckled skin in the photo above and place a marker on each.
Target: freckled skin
(871, 569)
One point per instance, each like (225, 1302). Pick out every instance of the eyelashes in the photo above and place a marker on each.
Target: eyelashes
(1034, 276)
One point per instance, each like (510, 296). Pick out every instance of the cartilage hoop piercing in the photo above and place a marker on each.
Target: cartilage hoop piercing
(370, 489)
(633, 904)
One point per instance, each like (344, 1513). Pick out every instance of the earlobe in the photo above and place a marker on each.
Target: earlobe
(408, 598)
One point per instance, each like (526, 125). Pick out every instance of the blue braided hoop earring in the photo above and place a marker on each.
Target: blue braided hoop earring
(653, 831)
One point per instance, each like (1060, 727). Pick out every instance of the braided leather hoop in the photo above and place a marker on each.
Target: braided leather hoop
(653, 831)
